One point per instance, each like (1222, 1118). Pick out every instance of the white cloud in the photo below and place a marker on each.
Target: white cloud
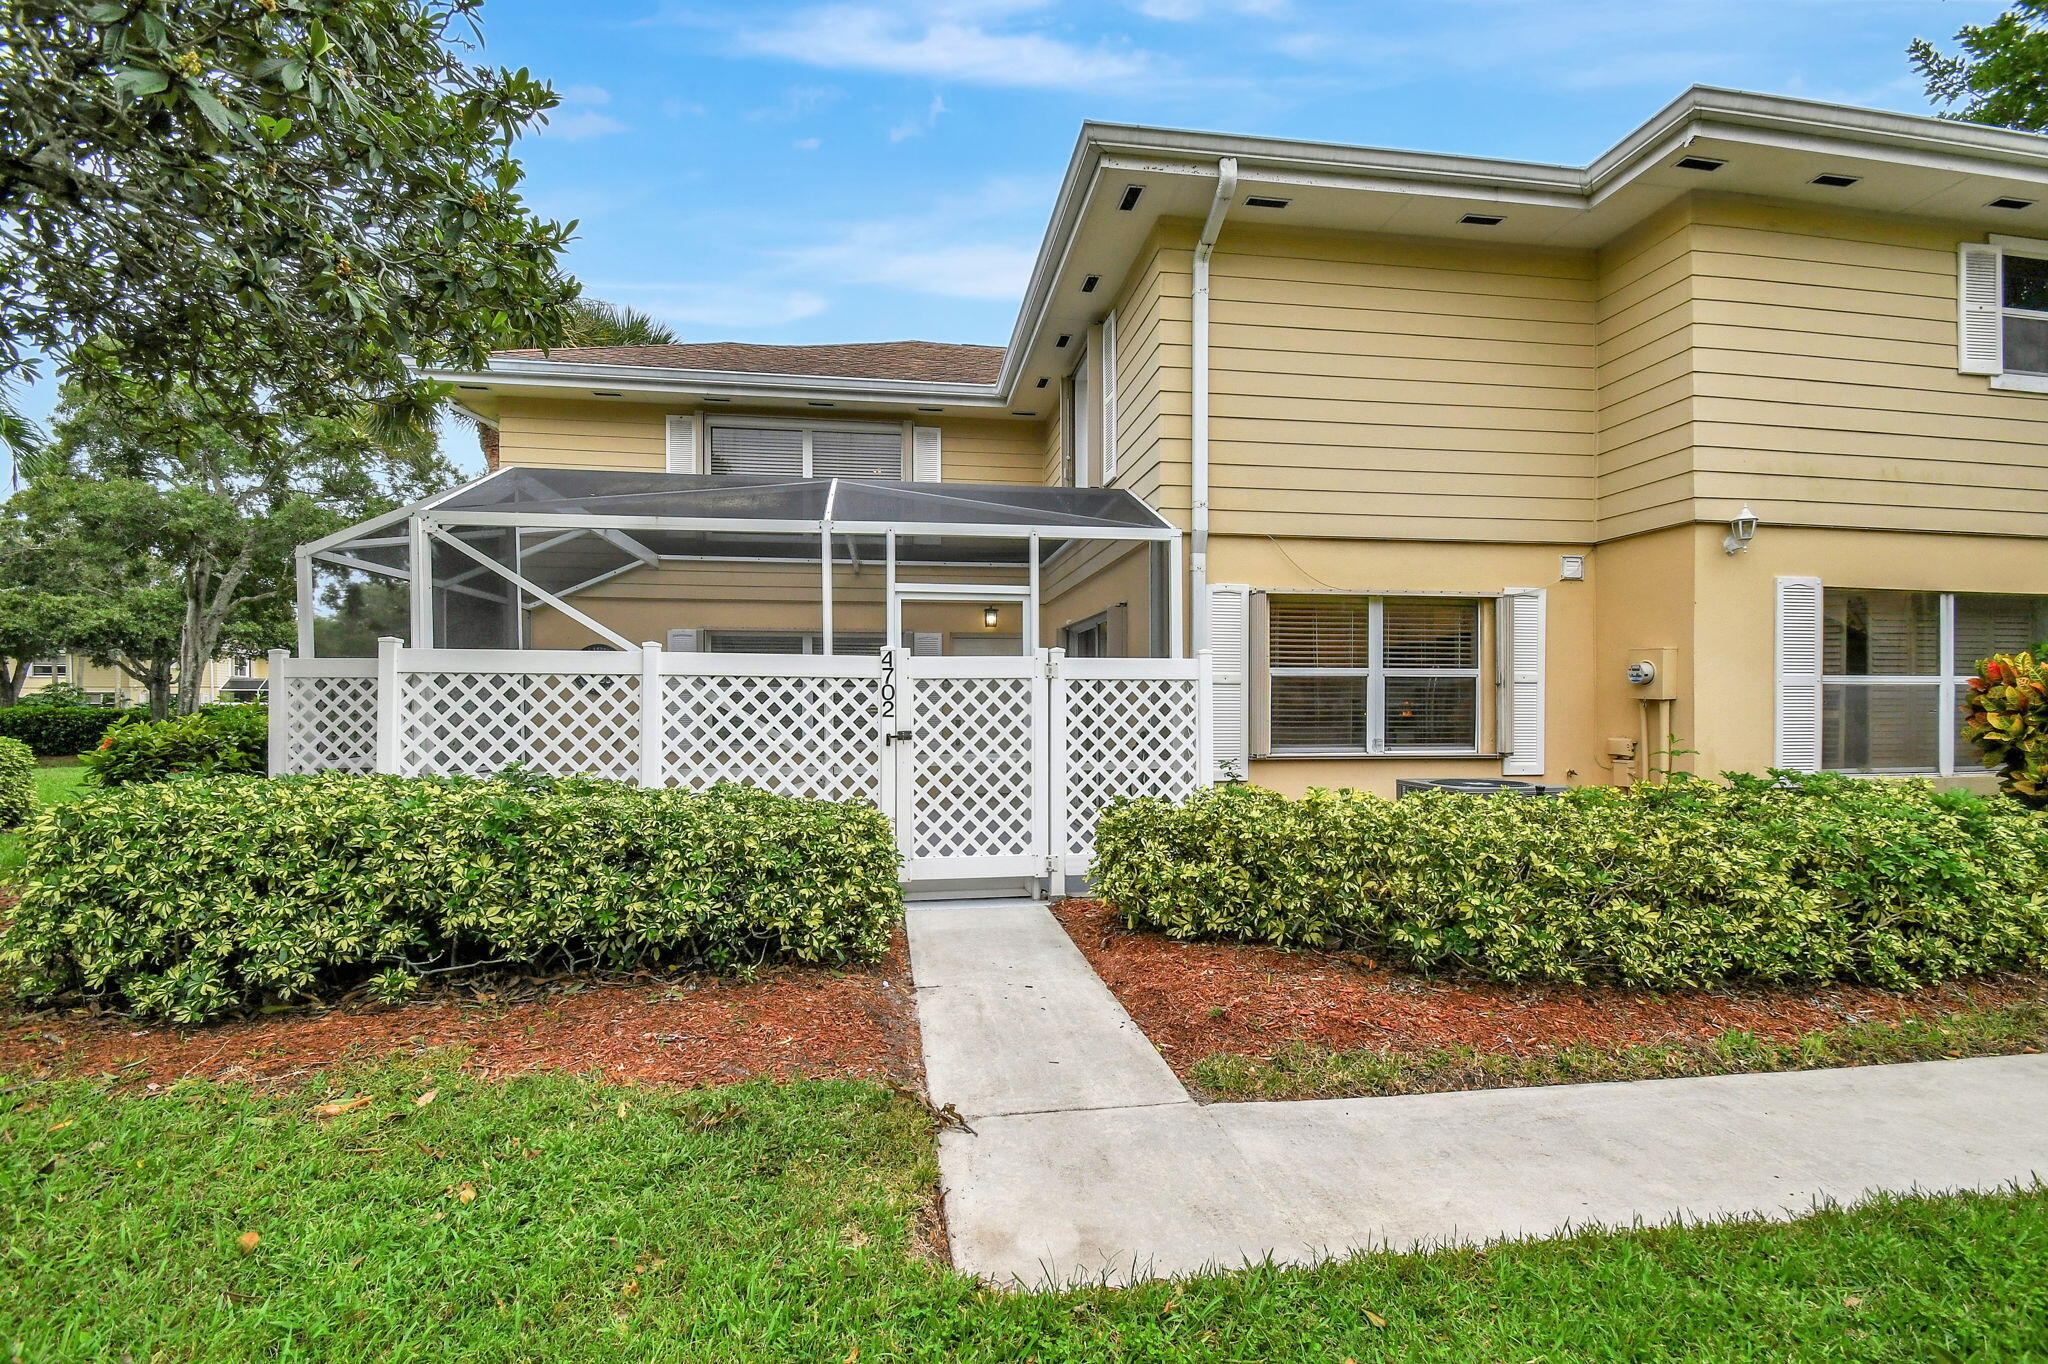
(578, 125)
(917, 127)
(577, 119)
(958, 248)
(808, 144)
(986, 42)
(681, 108)
(737, 306)
(796, 101)
(1184, 11)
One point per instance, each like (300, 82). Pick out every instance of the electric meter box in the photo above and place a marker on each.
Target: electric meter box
(1662, 682)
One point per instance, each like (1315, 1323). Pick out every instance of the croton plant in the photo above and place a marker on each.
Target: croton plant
(2005, 714)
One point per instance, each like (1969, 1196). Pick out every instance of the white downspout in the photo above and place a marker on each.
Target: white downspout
(1198, 559)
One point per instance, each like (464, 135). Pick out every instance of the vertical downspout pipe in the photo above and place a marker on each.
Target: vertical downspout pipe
(1198, 558)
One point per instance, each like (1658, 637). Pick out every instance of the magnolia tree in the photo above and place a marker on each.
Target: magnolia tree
(268, 205)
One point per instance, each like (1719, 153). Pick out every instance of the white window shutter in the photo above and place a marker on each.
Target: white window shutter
(683, 642)
(1230, 638)
(682, 445)
(1108, 399)
(1797, 747)
(924, 454)
(1980, 346)
(927, 644)
(1523, 653)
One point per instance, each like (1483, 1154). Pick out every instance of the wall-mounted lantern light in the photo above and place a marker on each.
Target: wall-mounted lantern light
(990, 615)
(1740, 532)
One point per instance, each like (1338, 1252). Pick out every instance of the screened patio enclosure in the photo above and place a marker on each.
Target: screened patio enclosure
(580, 558)
(972, 672)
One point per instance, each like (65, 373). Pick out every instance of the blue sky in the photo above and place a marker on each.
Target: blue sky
(869, 171)
(859, 171)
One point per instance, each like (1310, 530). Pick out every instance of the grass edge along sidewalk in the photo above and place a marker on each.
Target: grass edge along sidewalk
(413, 1211)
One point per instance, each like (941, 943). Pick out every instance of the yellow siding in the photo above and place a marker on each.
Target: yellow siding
(1645, 375)
(1153, 362)
(1825, 373)
(988, 451)
(559, 433)
(1382, 386)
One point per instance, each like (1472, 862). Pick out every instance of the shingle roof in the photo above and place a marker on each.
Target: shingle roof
(927, 361)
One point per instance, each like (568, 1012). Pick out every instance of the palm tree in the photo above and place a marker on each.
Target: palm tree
(594, 322)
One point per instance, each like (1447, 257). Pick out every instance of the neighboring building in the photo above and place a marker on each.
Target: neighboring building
(1758, 397)
(227, 679)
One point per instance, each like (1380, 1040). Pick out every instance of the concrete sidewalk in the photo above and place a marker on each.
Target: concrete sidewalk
(1088, 1160)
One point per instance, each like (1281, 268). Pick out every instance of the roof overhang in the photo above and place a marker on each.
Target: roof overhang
(1770, 146)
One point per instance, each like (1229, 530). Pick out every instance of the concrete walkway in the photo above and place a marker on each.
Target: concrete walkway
(1088, 1160)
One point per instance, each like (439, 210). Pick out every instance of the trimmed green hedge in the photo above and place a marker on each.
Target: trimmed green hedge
(1785, 878)
(62, 731)
(17, 782)
(190, 899)
(227, 741)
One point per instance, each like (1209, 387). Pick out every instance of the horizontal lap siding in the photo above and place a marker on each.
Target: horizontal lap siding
(557, 433)
(1827, 386)
(990, 451)
(1378, 386)
(1645, 330)
(561, 433)
(1154, 368)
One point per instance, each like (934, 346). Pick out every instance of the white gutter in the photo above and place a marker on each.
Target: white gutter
(1205, 246)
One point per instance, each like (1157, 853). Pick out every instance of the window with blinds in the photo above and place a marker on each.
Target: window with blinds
(807, 451)
(1893, 665)
(1373, 674)
(791, 642)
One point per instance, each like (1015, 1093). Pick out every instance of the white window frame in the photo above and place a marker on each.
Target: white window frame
(54, 669)
(1080, 423)
(1950, 677)
(811, 642)
(808, 429)
(1376, 675)
(2020, 381)
(1072, 631)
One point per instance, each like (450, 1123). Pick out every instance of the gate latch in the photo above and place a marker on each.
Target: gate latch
(897, 736)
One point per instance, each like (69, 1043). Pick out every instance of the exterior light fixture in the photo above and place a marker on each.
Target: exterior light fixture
(1740, 532)
(990, 615)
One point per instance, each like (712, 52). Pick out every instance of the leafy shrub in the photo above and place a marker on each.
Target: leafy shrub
(223, 741)
(189, 899)
(2005, 714)
(17, 782)
(1782, 878)
(56, 694)
(62, 731)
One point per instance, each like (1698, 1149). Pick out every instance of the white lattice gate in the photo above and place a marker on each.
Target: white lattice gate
(992, 768)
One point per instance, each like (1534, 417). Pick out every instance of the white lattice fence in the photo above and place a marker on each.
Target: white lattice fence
(1000, 766)
(807, 735)
(976, 762)
(474, 724)
(323, 714)
(1123, 727)
(1126, 736)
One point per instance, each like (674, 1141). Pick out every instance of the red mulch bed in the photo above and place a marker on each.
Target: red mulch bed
(789, 1022)
(1197, 999)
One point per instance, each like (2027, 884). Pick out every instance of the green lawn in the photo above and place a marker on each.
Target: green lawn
(57, 780)
(1304, 1072)
(554, 1218)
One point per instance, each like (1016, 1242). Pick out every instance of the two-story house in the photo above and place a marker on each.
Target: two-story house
(1723, 452)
